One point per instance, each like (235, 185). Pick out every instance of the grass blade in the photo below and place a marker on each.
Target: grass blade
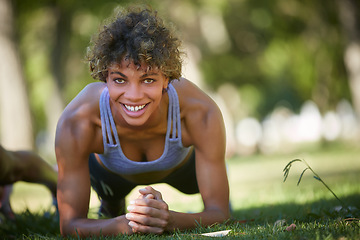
(301, 175)
(291, 162)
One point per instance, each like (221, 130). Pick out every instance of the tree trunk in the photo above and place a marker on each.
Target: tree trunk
(350, 20)
(15, 116)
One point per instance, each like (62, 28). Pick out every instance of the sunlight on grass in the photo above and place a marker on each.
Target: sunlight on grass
(257, 180)
(32, 197)
(254, 181)
(258, 193)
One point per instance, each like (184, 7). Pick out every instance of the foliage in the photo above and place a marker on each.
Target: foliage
(290, 51)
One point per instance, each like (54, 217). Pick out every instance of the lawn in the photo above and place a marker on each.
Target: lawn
(263, 205)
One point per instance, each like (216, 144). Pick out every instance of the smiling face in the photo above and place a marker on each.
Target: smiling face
(135, 93)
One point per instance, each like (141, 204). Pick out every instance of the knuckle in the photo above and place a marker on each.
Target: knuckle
(146, 221)
(163, 224)
(160, 231)
(166, 216)
(147, 211)
(165, 206)
(147, 201)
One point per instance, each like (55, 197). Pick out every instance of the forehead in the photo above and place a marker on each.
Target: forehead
(127, 64)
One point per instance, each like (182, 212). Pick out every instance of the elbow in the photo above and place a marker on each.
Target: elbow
(225, 215)
(220, 215)
(66, 229)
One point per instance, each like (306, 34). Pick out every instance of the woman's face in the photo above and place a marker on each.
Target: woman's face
(135, 92)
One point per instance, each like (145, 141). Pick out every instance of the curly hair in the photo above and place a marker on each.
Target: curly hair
(138, 35)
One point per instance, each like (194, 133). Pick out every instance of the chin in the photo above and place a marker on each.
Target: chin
(135, 122)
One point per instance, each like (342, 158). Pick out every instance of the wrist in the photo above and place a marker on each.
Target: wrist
(171, 226)
(123, 225)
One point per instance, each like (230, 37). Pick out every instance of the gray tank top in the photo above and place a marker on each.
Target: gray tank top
(113, 157)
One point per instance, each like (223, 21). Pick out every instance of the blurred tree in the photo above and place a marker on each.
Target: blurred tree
(281, 51)
(16, 123)
(291, 51)
(53, 36)
(350, 20)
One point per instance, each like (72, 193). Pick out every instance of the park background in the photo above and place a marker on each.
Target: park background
(285, 73)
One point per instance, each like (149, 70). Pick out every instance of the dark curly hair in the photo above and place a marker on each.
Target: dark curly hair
(137, 34)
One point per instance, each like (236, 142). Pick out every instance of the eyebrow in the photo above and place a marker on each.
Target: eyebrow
(119, 73)
(149, 74)
(143, 76)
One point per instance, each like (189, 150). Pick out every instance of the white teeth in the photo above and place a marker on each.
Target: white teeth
(134, 109)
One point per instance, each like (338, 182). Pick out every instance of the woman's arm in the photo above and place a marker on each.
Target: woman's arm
(73, 201)
(76, 138)
(205, 130)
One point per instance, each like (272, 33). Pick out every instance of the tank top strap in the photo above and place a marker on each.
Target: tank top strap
(107, 121)
(174, 110)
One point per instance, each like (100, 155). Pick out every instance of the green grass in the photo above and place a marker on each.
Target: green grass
(263, 205)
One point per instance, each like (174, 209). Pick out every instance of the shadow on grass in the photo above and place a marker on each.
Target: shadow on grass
(323, 219)
(28, 225)
(319, 218)
(326, 208)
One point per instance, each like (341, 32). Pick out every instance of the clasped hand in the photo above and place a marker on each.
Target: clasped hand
(148, 213)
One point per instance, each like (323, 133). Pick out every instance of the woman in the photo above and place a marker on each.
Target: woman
(139, 126)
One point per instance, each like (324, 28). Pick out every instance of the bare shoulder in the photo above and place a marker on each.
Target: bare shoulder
(194, 101)
(87, 98)
(198, 110)
(80, 122)
(192, 98)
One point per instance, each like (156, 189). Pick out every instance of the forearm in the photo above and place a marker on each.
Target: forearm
(96, 227)
(184, 221)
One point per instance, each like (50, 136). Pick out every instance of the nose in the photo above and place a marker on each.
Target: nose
(133, 92)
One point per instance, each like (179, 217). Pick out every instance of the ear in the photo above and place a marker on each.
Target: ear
(166, 83)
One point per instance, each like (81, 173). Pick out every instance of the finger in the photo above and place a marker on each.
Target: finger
(150, 196)
(146, 190)
(136, 227)
(149, 202)
(150, 190)
(149, 211)
(140, 219)
(147, 196)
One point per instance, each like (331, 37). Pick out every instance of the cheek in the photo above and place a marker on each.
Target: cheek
(114, 93)
(158, 93)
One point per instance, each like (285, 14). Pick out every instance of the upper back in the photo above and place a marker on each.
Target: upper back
(80, 121)
(196, 109)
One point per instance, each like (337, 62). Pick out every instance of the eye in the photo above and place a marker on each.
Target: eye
(148, 80)
(119, 80)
